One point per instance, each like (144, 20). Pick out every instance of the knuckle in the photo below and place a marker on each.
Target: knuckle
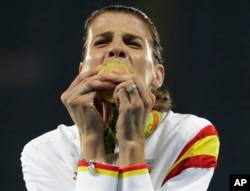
(80, 77)
(133, 77)
(63, 97)
(88, 83)
(74, 103)
(148, 103)
(137, 107)
(71, 103)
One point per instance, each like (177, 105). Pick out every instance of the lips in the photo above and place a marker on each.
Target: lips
(109, 67)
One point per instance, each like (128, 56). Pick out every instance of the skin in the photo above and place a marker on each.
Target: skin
(114, 36)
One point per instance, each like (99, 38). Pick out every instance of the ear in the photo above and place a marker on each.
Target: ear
(159, 76)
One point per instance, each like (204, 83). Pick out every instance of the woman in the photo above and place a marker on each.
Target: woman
(132, 140)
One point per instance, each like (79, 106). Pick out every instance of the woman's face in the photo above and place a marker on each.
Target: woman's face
(124, 37)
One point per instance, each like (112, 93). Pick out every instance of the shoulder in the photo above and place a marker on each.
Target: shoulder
(187, 119)
(48, 158)
(188, 125)
(61, 137)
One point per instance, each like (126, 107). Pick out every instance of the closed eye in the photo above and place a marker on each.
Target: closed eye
(133, 41)
(101, 42)
(102, 39)
(134, 44)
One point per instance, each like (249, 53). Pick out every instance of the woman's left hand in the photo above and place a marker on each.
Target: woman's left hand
(134, 101)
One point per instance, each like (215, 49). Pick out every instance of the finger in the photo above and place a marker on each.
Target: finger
(133, 94)
(87, 86)
(145, 93)
(124, 85)
(139, 93)
(80, 77)
(122, 99)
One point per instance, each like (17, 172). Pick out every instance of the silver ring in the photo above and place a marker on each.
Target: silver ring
(130, 89)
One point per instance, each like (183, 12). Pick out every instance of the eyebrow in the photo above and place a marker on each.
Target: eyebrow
(126, 36)
(104, 34)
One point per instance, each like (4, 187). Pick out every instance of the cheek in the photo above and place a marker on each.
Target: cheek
(149, 76)
(92, 60)
(145, 72)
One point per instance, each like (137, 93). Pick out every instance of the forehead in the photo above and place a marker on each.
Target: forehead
(119, 22)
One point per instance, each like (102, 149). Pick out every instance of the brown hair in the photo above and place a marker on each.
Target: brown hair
(163, 98)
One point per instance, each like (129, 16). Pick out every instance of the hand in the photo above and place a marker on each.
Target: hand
(87, 111)
(133, 112)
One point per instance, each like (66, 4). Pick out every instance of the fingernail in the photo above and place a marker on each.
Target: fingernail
(99, 67)
(116, 71)
(112, 74)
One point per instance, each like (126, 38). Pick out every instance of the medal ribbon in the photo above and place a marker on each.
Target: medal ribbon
(109, 136)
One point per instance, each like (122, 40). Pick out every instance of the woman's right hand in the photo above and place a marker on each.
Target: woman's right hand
(88, 111)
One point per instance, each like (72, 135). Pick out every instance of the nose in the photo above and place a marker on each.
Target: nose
(117, 50)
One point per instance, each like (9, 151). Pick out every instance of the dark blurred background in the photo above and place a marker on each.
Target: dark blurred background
(207, 70)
